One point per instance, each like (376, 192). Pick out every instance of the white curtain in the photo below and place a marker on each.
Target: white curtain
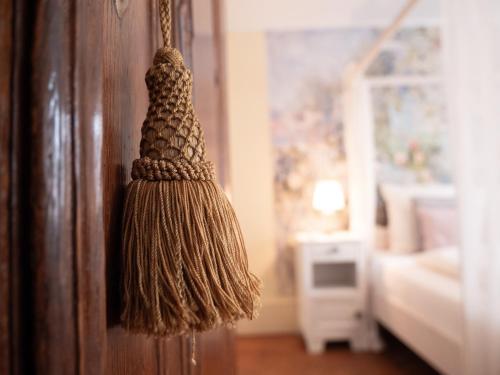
(472, 45)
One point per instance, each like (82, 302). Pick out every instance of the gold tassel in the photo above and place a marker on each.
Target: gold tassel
(185, 267)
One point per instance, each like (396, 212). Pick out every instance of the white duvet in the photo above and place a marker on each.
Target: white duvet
(445, 261)
(425, 284)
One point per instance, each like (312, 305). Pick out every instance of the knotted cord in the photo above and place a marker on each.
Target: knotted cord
(166, 22)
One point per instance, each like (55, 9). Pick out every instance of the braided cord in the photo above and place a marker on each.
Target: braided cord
(157, 170)
(166, 22)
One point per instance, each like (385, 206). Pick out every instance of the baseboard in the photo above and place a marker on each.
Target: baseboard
(277, 316)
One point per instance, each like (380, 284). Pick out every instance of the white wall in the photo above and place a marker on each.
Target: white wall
(252, 173)
(473, 81)
(259, 15)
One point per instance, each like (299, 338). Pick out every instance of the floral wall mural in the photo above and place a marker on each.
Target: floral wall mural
(411, 52)
(304, 73)
(408, 101)
(305, 69)
(411, 136)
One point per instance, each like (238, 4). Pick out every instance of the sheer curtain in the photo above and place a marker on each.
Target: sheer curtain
(472, 44)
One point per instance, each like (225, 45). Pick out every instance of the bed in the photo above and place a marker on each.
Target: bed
(417, 297)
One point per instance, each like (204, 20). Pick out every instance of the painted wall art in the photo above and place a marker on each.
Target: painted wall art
(305, 70)
(409, 109)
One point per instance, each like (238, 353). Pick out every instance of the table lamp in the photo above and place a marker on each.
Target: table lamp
(328, 197)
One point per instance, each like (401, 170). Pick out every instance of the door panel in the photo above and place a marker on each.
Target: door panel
(85, 99)
(89, 234)
(52, 205)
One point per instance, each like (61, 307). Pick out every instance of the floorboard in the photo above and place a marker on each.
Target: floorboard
(274, 355)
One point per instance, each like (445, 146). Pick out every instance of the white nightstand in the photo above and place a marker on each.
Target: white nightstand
(331, 289)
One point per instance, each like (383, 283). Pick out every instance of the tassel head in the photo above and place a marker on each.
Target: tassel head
(172, 144)
(171, 130)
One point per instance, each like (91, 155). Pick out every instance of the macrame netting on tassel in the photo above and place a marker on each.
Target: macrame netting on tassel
(185, 266)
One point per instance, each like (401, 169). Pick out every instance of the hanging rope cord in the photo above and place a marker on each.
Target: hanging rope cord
(166, 22)
(166, 26)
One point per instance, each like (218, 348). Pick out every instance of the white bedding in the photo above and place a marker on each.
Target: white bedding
(430, 296)
(445, 261)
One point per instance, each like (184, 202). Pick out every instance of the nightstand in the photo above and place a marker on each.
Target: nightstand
(330, 288)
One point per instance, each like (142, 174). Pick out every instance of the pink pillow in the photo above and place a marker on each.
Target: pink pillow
(436, 223)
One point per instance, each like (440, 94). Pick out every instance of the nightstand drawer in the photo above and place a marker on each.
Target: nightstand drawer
(334, 251)
(334, 274)
(335, 310)
(336, 327)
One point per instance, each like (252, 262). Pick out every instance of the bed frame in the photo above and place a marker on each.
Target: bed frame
(440, 351)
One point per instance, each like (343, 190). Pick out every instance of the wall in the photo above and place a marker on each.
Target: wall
(251, 168)
(260, 15)
(249, 131)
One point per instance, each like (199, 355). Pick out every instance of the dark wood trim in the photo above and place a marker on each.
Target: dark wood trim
(216, 352)
(6, 68)
(183, 29)
(53, 195)
(224, 174)
(15, 102)
(89, 242)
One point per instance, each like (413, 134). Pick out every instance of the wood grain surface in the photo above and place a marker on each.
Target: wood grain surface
(52, 193)
(287, 355)
(73, 76)
(6, 66)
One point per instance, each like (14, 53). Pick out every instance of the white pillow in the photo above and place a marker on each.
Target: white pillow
(399, 199)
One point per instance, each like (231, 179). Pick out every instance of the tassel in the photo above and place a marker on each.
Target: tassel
(185, 266)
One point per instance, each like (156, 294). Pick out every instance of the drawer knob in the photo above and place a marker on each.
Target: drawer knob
(333, 250)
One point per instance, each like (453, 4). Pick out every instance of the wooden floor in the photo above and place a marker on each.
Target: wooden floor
(276, 355)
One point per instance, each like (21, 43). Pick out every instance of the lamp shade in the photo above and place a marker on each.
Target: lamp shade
(328, 196)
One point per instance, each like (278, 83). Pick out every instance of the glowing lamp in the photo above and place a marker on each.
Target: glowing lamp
(328, 196)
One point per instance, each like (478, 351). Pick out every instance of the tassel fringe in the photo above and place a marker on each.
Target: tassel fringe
(185, 266)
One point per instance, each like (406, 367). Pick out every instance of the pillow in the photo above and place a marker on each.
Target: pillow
(445, 261)
(403, 235)
(436, 223)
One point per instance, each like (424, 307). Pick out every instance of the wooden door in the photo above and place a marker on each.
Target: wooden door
(73, 100)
